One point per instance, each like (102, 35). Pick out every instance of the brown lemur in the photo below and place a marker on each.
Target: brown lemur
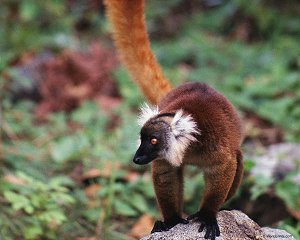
(192, 124)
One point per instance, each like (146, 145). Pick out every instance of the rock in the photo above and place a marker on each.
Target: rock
(233, 225)
(277, 161)
(271, 233)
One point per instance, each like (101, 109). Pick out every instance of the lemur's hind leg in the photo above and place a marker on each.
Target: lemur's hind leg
(238, 175)
(218, 181)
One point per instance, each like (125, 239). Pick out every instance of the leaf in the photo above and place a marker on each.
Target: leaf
(28, 10)
(289, 192)
(63, 149)
(293, 231)
(68, 148)
(55, 215)
(261, 185)
(85, 113)
(28, 209)
(33, 231)
(60, 181)
(145, 187)
(62, 198)
(18, 201)
(124, 209)
(248, 165)
(138, 201)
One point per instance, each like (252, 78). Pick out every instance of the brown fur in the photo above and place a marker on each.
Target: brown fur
(238, 175)
(130, 36)
(217, 151)
(168, 186)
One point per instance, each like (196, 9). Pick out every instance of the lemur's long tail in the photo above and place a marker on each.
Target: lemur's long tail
(131, 40)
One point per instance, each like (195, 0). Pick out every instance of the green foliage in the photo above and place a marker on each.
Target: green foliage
(42, 203)
(131, 200)
(291, 228)
(270, 19)
(260, 186)
(33, 25)
(153, 11)
(37, 154)
(248, 165)
(288, 191)
(128, 89)
(29, 24)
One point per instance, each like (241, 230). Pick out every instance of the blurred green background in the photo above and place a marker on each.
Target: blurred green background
(68, 109)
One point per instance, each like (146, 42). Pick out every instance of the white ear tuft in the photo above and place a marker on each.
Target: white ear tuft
(184, 126)
(184, 129)
(147, 112)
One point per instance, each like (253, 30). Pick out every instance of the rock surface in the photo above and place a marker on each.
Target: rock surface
(277, 161)
(233, 225)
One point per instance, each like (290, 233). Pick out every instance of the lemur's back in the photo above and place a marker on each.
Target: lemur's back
(216, 117)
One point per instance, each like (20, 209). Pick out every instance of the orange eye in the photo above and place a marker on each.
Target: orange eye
(153, 141)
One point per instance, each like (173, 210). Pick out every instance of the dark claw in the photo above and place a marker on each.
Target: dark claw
(218, 231)
(201, 228)
(160, 226)
(182, 221)
(208, 222)
(192, 216)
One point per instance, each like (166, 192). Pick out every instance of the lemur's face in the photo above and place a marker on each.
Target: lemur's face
(165, 135)
(154, 138)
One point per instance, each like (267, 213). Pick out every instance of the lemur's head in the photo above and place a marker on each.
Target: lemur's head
(164, 136)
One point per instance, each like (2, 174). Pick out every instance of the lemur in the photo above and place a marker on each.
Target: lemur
(192, 124)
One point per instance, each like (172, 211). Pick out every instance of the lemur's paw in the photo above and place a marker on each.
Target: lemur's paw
(160, 226)
(208, 222)
(171, 223)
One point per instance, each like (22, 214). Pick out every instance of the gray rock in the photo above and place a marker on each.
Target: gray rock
(233, 225)
(278, 160)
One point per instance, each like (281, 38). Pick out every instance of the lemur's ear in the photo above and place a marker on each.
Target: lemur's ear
(147, 112)
(183, 129)
(183, 126)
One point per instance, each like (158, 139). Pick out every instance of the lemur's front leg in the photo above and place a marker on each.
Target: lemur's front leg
(168, 186)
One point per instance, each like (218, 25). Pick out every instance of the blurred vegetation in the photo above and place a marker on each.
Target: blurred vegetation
(250, 52)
